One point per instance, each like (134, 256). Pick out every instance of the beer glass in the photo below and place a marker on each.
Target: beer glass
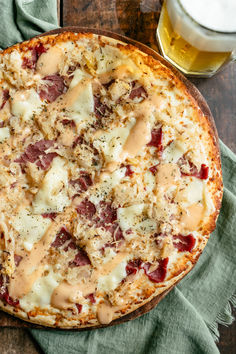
(192, 47)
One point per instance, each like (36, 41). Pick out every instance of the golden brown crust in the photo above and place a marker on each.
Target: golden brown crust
(202, 114)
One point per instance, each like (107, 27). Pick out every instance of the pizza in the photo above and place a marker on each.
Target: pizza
(110, 179)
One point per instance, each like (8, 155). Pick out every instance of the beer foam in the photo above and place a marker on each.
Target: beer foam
(198, 36)
(217, 15)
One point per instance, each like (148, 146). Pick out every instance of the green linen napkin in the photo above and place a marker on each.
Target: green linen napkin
(23, 19)
(186, 320)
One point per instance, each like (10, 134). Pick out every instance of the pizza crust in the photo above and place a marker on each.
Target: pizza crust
(201, 113)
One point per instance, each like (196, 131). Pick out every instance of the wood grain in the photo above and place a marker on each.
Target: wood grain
(17, 341)
(220, 93)
(138, 19)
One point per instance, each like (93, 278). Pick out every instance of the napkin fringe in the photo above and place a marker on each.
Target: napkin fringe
(225, 318)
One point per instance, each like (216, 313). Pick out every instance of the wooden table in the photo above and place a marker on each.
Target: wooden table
(138, 19)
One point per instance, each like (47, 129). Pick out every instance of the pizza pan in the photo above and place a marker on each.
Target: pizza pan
(9, 321)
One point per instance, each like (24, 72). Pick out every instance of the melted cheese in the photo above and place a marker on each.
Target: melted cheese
(82, 106)
(109, 58)
(111, 143)
(108, 182)
(173, 152)
(30, 227)
(128, 217)
(149, 181)
(109, 254)
(52, 196)
(15, 60)
(112, 280)
(78, 76)
(147, 226)
(4, 134)
(192, 193)
(41, 291)
(25, 104)
(134, 217)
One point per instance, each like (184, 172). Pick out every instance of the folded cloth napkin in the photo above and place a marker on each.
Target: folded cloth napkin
(186, 321)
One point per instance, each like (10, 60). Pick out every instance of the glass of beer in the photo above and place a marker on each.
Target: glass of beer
(198, 36)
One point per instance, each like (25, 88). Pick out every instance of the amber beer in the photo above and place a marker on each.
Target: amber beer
(193, 47)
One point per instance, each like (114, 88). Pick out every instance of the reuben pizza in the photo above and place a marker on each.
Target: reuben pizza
(110, 180)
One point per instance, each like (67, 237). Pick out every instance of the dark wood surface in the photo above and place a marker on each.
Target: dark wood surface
(138, 19)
